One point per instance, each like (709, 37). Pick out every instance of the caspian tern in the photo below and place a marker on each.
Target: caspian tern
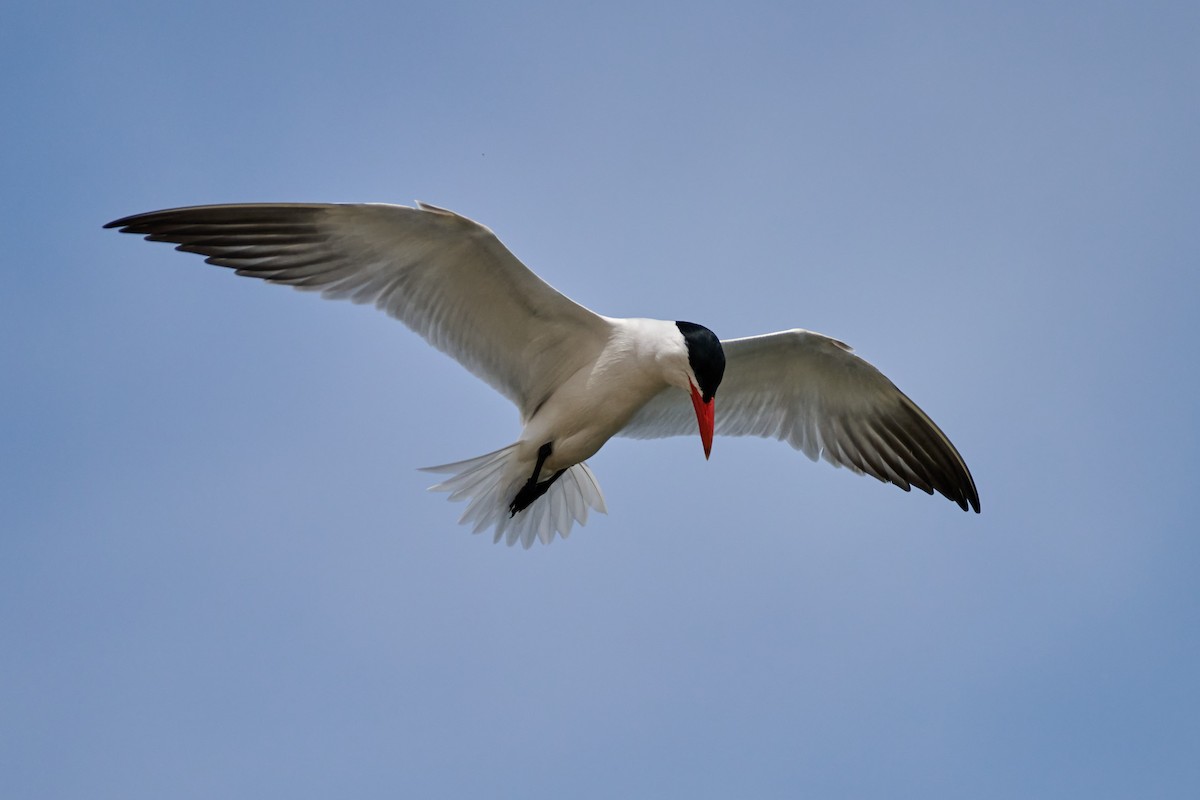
(577, 378)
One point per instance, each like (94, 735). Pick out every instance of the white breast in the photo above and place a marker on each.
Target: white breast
(599, 399)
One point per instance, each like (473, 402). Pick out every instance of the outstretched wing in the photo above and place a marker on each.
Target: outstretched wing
(446, 277)
(814, 393)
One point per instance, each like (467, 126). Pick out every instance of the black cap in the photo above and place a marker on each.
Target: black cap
(705, 355)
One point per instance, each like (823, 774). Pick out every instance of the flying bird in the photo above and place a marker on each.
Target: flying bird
(577, 378)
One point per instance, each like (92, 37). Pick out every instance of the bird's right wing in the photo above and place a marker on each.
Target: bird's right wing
(814, 393)
(448, 278)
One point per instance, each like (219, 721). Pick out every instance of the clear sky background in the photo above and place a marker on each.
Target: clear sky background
(221, 574)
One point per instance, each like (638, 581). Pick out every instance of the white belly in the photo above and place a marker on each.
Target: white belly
(586, 412)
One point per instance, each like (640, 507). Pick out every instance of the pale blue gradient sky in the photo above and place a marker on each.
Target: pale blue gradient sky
(221, 575)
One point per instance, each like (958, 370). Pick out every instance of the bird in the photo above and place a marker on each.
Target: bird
(577, 377)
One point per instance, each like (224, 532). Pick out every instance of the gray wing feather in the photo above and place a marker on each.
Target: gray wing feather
(814, 393)
(446, 277)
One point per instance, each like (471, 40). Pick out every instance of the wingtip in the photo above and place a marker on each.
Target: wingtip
(972, 494)
(128, 222)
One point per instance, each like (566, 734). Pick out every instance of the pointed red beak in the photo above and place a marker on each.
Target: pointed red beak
(704, 416)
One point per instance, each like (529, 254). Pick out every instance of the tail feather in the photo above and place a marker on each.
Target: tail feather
(489, 483)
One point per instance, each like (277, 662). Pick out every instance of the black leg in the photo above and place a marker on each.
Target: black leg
(532, 490)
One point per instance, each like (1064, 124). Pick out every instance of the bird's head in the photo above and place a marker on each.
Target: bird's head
(703, 372)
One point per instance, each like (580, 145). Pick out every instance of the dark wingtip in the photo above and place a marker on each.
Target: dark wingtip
(124, 223)
(973, 493)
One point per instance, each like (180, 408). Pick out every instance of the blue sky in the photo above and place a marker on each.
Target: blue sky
(221, 574)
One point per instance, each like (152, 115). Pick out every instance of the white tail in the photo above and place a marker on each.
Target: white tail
(489, 483)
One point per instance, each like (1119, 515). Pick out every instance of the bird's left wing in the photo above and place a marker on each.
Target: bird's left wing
(814, 393)
(446, 277)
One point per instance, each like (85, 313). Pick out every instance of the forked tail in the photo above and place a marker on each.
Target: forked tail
(489, 483)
